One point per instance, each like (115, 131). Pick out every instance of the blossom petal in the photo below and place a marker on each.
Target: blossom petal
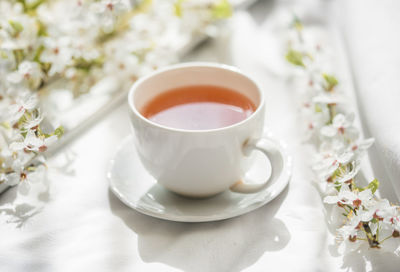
(328, 131)
(366, 194)
(367, 215)
(373, 227)
(331, 199)
(339, 120)
(365, 144)
(14, 78)
(345, 157)
(16, 146)
(32, 141)
(352, 133)
(30, 102)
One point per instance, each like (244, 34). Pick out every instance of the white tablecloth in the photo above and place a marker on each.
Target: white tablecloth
(371, 35)
(82, 226)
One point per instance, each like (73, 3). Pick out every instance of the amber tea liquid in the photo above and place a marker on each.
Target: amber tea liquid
(198, 107)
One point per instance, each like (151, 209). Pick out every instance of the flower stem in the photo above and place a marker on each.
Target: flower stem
(390, 236)
(372, 241)
(332, 112)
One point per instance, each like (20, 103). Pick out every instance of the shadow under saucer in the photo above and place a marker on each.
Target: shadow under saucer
(227, 245)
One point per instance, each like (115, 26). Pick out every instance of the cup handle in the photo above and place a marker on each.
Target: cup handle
(279, 164)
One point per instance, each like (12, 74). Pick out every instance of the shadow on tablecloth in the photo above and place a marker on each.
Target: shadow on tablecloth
(228, 245)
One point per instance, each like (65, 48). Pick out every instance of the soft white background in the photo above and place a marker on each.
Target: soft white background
(82, 226)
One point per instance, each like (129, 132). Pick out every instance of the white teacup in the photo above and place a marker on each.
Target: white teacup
(201, 163)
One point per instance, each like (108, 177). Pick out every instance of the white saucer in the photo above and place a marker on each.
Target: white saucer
(135, 187)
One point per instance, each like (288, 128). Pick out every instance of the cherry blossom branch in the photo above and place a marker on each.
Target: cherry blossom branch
(76, 44)
(339, 152)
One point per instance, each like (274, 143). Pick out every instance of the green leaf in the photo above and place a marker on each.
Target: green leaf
(295, 58)
(143, 5)
(330, 81)
(16, 26)
(38, 53)
(3, 54)
(297, 24)
(141, 54)
(318, 108)
(34, 5)
(42, 29)
(146, 2)
(222, 9)
(178, 8)
(340, 171)
(59, 132)
(86, 65)
(30, 6)
(5, 125)
(373, 186)
(19, 56)
(24, 118)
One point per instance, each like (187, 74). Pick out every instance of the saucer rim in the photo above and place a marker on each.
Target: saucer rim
(287, 174)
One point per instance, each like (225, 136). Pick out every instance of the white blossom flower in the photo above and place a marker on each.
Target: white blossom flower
(334, 152)
(368, 218)
(124, 61)
(360, 147)
(29, 72)
(347, 246)
(348, 234)
(53, 44)
(15, 164)
(17, 31)
(29, 178)
(32, 120)
(14, 177)
(33, 142)
(25, 102)
(58, 53)
(339, 163)
(342, 126)
(315, 115)
(350, 229)
(108, 11)
(353, 198)
(388, 214)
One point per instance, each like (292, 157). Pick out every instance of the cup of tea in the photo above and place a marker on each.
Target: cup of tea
(194, 125)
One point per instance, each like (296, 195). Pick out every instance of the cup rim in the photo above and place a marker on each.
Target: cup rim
(190, 65)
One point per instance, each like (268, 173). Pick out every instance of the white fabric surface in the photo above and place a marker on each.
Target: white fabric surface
(372, 39)
(82, 226)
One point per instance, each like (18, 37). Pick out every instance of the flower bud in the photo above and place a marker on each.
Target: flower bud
(353, 238)
(357, 203)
